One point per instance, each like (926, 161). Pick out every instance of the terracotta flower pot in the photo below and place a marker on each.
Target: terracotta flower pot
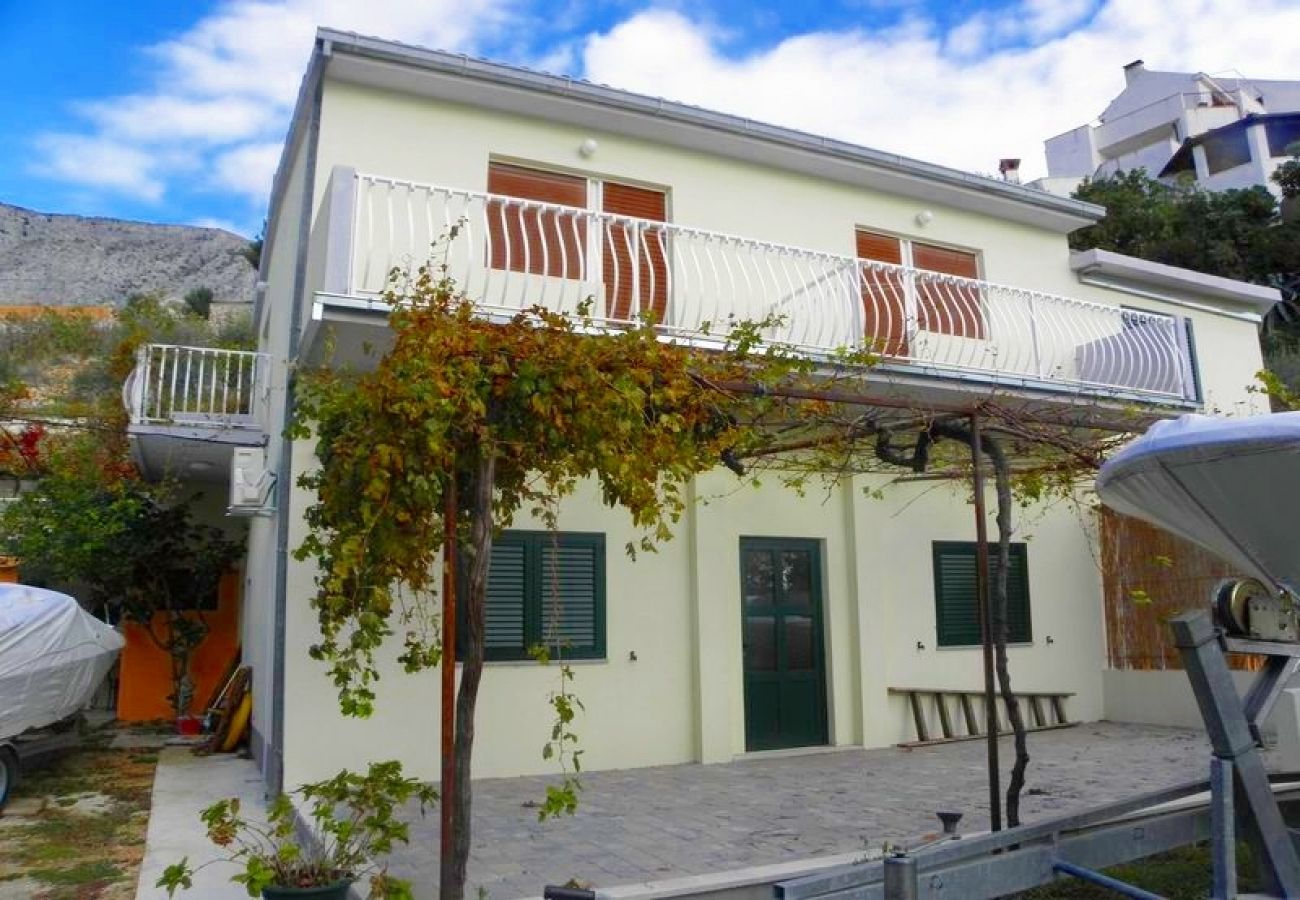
(336, 891)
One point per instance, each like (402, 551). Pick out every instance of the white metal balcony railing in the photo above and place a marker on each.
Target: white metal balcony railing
(198, 386)
(509, 254)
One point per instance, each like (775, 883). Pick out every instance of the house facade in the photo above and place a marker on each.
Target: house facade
(771, 620)
(1221, 132)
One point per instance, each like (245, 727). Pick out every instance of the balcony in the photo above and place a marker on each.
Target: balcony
(509, 254)
(188, 406)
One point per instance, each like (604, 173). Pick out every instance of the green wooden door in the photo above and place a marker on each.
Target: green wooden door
(781, 618)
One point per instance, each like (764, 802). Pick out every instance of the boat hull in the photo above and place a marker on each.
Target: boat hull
(1230, 485)
(53, 655)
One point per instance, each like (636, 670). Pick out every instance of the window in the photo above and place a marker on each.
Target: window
(955, 601)
(1281, 132)
(883, 297)
(545, 588)
(1226, 149)
(532, 239)
(634, 254)
(938, 304)
(553, 242)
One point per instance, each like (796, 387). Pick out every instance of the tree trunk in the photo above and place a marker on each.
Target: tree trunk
(480, 546)
(1002, 481)
(998, 599)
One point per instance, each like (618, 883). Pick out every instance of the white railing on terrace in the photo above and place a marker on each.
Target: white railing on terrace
(176, 385)
(509, 254)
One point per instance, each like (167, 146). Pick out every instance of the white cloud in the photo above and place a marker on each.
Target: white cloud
(965, 99)
(224, 89)
(247, 169)
(161, 118)
(1045, 18)
(994, 84)
(98, 163)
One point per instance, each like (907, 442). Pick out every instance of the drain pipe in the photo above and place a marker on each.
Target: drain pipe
(1101, 880)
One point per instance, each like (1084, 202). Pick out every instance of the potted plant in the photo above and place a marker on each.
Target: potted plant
(352, 825)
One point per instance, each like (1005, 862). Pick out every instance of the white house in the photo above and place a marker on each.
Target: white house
(1223, 132)
(568, 190)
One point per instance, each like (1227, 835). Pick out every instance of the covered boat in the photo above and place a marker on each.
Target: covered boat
(53, 654)
(1230, 485)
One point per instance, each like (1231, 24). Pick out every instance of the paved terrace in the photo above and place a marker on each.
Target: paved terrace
(671, 821)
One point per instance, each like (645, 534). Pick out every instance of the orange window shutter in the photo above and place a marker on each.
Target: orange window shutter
(526, 238)
(635, 254)
(883, 297)
(945, 306)
(879, 247)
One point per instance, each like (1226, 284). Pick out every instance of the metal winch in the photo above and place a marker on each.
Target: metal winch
(1247, 608)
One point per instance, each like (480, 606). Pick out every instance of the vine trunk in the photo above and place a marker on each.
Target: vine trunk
(480, 545)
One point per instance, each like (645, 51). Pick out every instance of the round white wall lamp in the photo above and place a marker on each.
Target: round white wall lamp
(924, 218)
(588, 147)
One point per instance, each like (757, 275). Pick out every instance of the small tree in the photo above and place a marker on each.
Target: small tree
(199, 302)
(1287, 175)
(252, 251)
(134, 549)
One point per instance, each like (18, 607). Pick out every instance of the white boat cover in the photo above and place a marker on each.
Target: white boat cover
(53, 654)
(1230, 485)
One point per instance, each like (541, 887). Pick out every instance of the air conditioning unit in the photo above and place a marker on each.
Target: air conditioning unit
(250, 482)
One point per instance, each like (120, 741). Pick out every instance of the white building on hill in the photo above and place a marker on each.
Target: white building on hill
(1223, 132)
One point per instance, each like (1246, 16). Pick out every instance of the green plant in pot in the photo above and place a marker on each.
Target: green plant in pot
(353, 824)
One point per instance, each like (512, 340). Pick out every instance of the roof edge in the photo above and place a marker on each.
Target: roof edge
(541, 82)
(1142, 271)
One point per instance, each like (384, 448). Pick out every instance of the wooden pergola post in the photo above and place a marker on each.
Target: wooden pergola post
(446, 880)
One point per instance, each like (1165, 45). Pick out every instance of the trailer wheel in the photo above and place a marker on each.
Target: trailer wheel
(8, 773)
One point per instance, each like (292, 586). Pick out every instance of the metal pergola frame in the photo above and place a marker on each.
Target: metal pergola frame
(1002, 861)
(909, 413)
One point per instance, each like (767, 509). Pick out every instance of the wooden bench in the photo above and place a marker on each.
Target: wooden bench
(1042, 711)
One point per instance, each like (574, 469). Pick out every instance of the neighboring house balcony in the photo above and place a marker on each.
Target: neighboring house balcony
(188, 407)
(896, 297)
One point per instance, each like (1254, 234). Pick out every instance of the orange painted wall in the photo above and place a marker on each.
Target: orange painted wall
(145, 679)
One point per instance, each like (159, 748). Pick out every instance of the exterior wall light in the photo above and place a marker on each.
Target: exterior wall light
(588, 147)
(924, 218)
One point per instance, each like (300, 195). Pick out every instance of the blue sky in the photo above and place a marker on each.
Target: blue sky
(174, 111)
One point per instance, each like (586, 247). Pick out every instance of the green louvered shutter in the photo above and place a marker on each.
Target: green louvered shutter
(571, 594)
(543, 588)
(956, 602)
(505, 636)
(956, 611)
(1019, 626)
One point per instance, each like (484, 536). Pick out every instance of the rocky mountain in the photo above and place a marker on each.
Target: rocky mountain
(64, 260)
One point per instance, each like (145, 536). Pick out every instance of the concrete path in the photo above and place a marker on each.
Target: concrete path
(183, 785)
(666, 822)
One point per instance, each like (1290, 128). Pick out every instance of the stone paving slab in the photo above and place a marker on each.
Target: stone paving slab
(184, 784)
(672, 821)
